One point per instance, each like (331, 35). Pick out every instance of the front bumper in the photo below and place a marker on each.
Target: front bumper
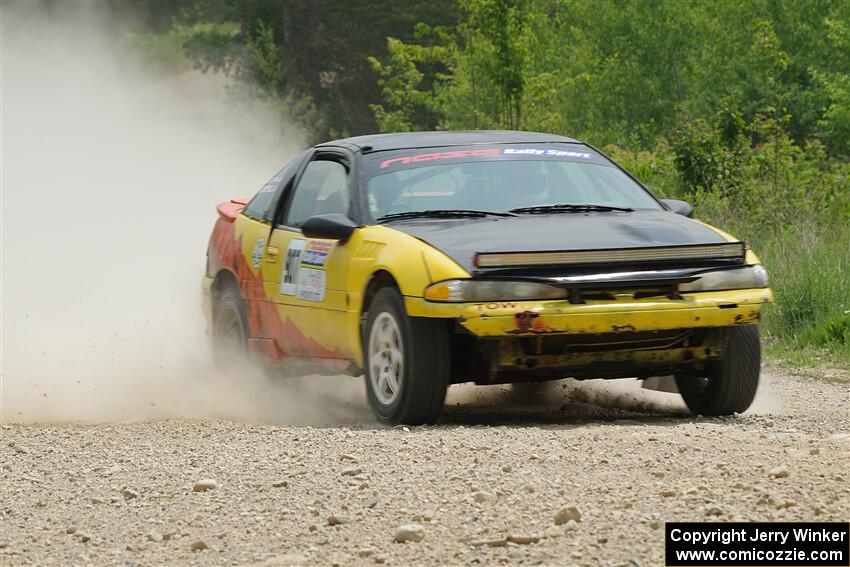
(625, 314)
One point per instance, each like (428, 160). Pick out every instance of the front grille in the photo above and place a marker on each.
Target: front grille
(583, 295)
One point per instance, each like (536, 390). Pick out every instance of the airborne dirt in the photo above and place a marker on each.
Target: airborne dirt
(485, 485)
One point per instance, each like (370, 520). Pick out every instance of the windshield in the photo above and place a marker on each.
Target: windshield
(497, 179)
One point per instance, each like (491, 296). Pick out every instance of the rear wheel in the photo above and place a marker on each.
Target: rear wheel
(230, 327)
(407, 362)
(730, 384)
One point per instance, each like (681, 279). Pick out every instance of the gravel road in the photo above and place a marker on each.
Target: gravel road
(484, 487)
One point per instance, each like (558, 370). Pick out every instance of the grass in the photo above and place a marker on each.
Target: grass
(809, 269)
(790, 356)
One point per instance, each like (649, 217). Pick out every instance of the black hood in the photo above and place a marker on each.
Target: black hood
(462, 238)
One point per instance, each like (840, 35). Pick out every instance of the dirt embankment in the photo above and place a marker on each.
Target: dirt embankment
(484, 486)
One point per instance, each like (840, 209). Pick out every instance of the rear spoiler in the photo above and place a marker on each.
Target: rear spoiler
(230, 210)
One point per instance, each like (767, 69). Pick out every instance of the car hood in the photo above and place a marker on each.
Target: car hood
(462, 238)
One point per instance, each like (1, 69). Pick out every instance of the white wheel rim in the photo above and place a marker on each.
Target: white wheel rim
(386, 358)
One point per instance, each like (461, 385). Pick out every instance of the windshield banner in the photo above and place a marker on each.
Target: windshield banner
(524, 152)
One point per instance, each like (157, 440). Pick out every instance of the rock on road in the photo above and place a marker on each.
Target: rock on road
(484, 487)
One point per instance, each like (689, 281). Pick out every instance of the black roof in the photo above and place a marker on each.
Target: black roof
(408, 140)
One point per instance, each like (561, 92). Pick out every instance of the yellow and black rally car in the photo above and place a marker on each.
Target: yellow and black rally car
(426, 259)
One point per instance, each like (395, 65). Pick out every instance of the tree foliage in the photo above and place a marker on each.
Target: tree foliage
(628, 72)
(310, 56)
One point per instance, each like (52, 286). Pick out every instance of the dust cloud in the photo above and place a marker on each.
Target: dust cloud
(560, 400)
(110, 177)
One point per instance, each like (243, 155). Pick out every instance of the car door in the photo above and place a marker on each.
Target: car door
(309, 274)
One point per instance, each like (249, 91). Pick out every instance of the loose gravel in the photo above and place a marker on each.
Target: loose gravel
(498, 481)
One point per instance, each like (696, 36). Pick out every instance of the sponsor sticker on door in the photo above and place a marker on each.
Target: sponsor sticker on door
(303, 274)
(316, 253)
(311, 284)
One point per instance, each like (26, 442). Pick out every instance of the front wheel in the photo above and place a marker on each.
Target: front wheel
(730, 383)
(407, 362)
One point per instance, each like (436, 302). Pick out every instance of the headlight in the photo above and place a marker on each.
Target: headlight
(740, 278)
(457, 291)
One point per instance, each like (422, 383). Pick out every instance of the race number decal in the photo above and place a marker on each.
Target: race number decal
(257, 253)
(304, 274)
(291, 265)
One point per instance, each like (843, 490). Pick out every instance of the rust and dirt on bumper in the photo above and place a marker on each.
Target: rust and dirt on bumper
(621, 335)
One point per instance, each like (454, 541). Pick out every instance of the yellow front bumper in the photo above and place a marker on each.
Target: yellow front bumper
(624, 314)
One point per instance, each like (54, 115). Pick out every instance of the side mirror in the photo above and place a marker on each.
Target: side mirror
(679, 207)
(333, 226)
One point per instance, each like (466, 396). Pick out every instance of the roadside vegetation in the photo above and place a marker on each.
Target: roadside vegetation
(741, 108)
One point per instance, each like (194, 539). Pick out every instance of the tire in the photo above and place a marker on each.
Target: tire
(407, 362)
(230, 327)
(731, 382)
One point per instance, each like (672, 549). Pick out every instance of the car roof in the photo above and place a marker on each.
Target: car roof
(411, 140)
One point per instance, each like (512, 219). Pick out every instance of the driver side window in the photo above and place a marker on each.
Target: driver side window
(322, 189)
